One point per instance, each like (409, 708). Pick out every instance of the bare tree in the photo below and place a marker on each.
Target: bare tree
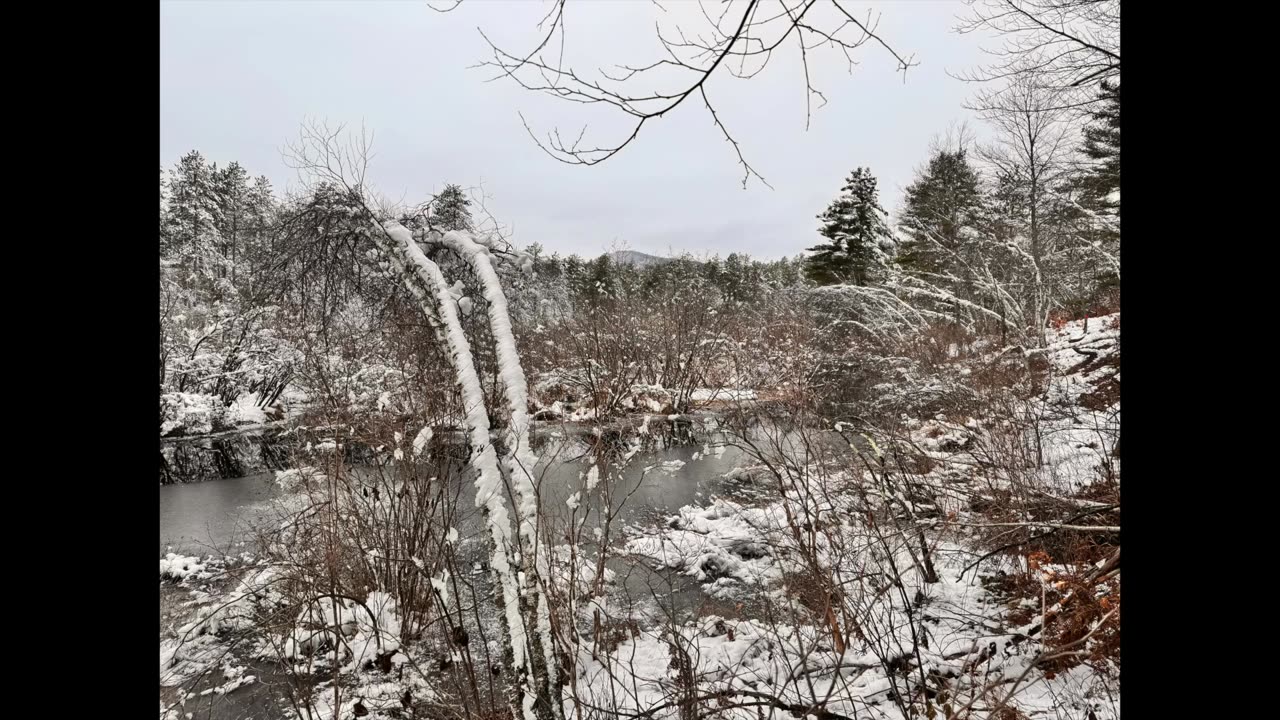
(1030, 153)
(1062, 46)
(739, 38)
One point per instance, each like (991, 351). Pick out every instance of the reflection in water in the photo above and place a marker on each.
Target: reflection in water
(206, 518)
(658, 481)
(201, 518)
(210, 517)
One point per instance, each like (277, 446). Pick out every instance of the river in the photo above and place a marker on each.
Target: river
(214, 516)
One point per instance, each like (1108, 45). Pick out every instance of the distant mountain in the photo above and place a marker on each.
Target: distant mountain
(639, 259)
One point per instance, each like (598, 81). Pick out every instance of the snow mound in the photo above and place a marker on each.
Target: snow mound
(723, 541)
(179, 567)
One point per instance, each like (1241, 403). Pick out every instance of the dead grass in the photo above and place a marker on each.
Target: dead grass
(809, 591)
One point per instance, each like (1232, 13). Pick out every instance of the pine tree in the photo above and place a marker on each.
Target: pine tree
(940, 211)
(259, 214)
(1094, 215)
(1102, 145)
(449, 210)
(712, 270)
(260, 205)
(573, 268)
(1008, 207)
(598, 281)
(858, 234)
(231, 188)
(164, 214)
(188, 213)
(193, 216)
(737, 282)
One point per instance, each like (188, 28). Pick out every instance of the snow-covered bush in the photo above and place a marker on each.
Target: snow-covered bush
(192, 414)
(179, 567)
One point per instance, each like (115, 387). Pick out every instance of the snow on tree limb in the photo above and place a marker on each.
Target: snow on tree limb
(518, 459)
(424, 279)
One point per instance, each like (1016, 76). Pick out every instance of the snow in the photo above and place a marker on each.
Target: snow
(519, 459)
(441, 586)
(295, 479)
(748, 474)
(732, 548)
(489, 480)
(421, 440)
(246, 411)
(369, 628)
(745, 653)
(735, 549)
(725, 540)
(577, 568)
(180, 567)
(191, 413)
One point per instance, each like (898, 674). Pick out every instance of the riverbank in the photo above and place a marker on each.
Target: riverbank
(276, 445)
(933, 565)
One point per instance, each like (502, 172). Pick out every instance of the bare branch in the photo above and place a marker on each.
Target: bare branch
(740, 31)
(1061, 46)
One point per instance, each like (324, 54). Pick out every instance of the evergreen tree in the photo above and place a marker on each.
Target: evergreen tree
(194, 213)
(572, 269)
(231, 192)
(738, 283)
(858, 236)
(597, 280)
(164, 213)
(259, 213)
(712, 270)
(549, 266)
(1008, 207)
(449, 210)
(260, 205)
(191, 203)
(940, 211)
(1102, 146)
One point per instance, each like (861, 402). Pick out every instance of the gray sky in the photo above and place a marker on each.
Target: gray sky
(238, 78)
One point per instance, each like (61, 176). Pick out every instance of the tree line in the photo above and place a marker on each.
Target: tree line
(1022, 226)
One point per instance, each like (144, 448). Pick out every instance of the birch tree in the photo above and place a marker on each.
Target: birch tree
(501, 466)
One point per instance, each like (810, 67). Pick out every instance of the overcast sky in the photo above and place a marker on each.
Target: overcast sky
(238, 78)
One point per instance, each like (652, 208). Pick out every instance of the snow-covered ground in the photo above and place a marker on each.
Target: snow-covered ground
(886, 636)
(979, 642)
